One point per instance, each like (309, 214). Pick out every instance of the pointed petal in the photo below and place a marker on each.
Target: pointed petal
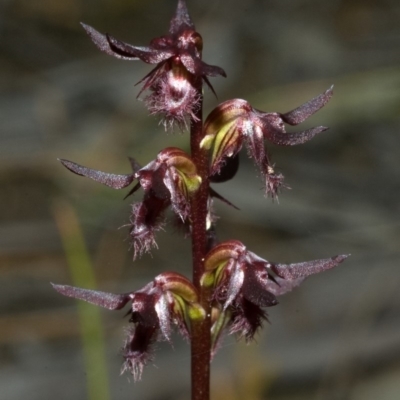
(102, 299)
(101, 41)
(181, 20)
(134, 164)
(301, 113)
(212, 70)
(151, 78)
(304, 269)
(213, 193)
(111, 180)
(146, 54)
(292, 139)
(199, 68)
(208, 83)
(133, 190)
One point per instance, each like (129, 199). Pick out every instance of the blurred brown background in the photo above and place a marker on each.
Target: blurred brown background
(338, 336)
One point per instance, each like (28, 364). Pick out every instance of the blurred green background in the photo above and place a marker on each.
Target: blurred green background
(338, 336)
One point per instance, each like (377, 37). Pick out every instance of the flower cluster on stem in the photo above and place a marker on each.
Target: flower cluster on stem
(231, 286)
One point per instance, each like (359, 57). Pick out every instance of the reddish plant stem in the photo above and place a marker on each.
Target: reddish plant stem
(200, 339)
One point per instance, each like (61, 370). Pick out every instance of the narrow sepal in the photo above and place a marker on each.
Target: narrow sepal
(215, 194)
(198, 67)
(282, 138)
(300, 114)
(145, 54)
(134, 164)
(114, 181)
(102, 299)
(181, 19)
(304, 269)
(102, 42)
(133, 190)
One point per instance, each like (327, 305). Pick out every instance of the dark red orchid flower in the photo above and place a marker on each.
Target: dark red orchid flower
(236, 121)
(169, 299)
(244, 284)
(179, 65)
(168, 181)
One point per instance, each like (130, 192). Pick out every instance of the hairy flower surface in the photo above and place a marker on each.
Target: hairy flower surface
(232, 286)
(236, 121)
(170, 180)
(244, 284)
(177, 56)
(169, 299)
